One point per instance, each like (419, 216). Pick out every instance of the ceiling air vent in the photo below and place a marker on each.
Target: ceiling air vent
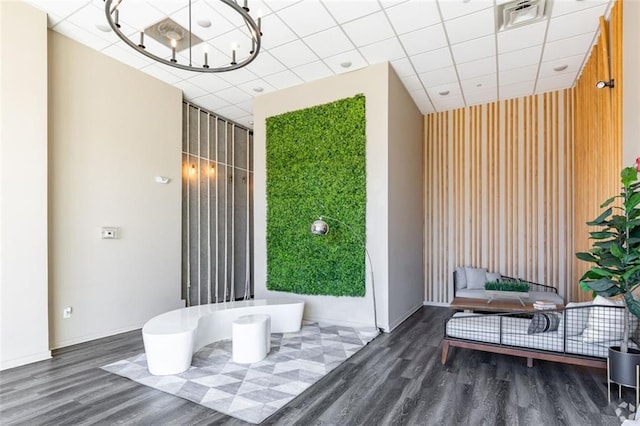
(520, 12)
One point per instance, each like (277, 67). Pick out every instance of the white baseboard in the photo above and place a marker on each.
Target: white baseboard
(17, 362)
(403, 318)
(94, 336)
(442, 304)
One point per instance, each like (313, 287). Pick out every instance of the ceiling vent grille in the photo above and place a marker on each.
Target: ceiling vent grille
(518, 13)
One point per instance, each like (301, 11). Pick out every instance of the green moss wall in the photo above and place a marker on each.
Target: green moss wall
(316, 161)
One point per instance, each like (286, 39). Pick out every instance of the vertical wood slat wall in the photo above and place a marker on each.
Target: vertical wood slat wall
(217, 208)
(598, 136)
(498, 191)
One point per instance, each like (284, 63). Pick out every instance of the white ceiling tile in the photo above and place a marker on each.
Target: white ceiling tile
(276, 5)
(369, 29)
(250, 87)
(81, 35)
(573, 63)
(422, 100)
(238, 76)
(201, 10)
(447, 103)
(294, 54)
(209, 82)
(357, 61)
(169, 6)
(480, 84)
(451, 9)
(472, 50)
(160, 72)
(313, 71)
(307, 18)
(265, 64)
(53, 20)
(562, 7)
(231, 112)
(558, 82)
(329, 42)
(412, 83)
(390, 3)
(247, 106)
(471, 26)
(61, 8)
(481, 96)
(233, 95)
(438, 77)
(139, 14)
(403, 67)
(517, 75)
(429, 61)
(520, 38)
(283, 79)
(236, 37)
(275, 32)
(568, 47)
(348, 10)
(414, 14)
(190, 90)
(476, 68)
(424, 40)
(387, 50)
(585, 21)
(127, 56)
(247, 121)
(210, 102)
(89, 17)
(519, 58)
(452, 88)
(517, 90)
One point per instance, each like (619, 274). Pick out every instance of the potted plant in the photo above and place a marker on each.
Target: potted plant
(616, 255)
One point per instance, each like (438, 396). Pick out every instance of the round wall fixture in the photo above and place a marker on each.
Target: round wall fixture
(444, 93)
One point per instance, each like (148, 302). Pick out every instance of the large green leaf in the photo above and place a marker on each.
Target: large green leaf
(601, 235)
(632, 202)
(632, 304)
(628, 175)
(587, 257)
(609, 201)
(629, 272)
(617, 251)
(600, 219)
(603, 284)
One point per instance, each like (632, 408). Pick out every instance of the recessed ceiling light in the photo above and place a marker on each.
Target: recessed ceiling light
(560, 67)
(251, 122)
(104, 28)
(345, 64)
(204, 23)
(444, 93)
(479, 85)
(258, 89)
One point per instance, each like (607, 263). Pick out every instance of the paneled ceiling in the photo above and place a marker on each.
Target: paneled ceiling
(448, 53)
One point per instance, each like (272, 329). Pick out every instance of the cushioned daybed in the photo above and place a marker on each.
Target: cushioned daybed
(469, 282)
(581, 333)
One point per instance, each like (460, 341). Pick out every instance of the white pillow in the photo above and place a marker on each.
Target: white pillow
(604, 324)
(461, 278)
(576, 319)
(476, 277)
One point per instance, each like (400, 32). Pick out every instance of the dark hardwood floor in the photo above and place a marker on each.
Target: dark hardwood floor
(396, 379)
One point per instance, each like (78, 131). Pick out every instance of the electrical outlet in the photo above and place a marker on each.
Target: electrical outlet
(66, 312)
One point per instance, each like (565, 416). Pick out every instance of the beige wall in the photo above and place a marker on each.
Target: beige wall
(631, 69)
(112, 129)
(23, 185)
(373, 82)
(406, 216)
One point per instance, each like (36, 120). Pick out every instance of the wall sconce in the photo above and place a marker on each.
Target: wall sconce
(192, 169)
(602, 84)
(212, 169)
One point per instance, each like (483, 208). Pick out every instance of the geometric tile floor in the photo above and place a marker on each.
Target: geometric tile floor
(253, 392)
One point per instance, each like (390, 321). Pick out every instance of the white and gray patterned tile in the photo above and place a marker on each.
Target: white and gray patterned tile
(253, 392)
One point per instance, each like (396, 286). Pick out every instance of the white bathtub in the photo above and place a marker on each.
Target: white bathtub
(171, 339)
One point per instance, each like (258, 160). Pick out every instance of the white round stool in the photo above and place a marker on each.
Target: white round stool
(251, 338)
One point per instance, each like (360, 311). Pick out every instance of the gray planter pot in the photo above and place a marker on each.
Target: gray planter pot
(622, 366)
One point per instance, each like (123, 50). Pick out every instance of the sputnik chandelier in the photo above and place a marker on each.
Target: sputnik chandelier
(173, 38)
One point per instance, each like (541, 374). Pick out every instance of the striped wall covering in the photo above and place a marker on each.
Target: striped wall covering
(498, 181)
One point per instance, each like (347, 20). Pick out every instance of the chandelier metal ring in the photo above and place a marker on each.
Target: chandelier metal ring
(111, 10)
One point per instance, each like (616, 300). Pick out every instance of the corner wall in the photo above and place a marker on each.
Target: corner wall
(24, 335)
(382, 93)
(631, 71)
(112, 129)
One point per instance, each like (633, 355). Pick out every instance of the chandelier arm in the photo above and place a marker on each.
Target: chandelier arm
(112, 5)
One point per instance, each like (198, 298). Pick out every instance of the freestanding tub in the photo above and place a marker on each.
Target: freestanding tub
(171, 339)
